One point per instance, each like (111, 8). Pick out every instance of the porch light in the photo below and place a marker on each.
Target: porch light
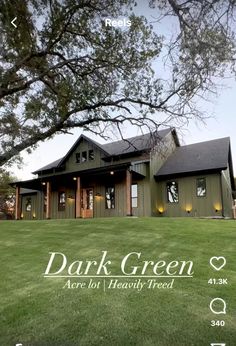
(111, 172)
(21, 215)
(74, 178)
(34, 215)
(43, 183)
(98, 197)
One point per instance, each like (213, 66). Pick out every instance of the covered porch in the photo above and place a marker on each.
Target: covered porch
(100, 192)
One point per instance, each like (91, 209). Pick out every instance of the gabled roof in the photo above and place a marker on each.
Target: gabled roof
(137, 143)
(96, 144)
(60, 162)
(117, 148)
(49, 166)
(205, 156)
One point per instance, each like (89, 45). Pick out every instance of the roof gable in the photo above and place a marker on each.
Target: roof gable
(76, 144)
(203, 156)
(61, 162)
(122, 147)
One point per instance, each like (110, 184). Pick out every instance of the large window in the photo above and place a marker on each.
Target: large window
(28, 205)
(172, 192)
(110, 197)
(134, 195)
(201, 187)
(61, 201)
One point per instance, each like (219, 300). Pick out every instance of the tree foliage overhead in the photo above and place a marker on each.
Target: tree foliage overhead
(63, 68)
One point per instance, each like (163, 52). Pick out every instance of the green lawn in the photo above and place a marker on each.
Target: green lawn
(37, 311)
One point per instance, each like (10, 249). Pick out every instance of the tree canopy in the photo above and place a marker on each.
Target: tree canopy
(7, 194)
(64, 68)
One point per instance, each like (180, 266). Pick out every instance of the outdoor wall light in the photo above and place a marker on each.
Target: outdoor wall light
(70, 197)
(98, 194)
(217, 207)
(188, 211)
(161, 210)
(111, 172)
(34, 215)
(21, 215)
(74, 178)
(43, 183)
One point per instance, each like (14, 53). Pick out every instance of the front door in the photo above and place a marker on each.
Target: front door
(87, 203)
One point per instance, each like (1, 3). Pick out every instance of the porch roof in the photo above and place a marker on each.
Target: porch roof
(36, 184)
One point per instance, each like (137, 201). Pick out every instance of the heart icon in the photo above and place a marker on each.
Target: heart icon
(218, 262)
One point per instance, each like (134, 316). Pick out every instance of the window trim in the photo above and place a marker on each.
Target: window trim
(28, 202)
(61, 206)
(89, 151)
(205, 187)
(85, 159)
(78, 155)
(134, 197)
(167, 197)
(110, 187)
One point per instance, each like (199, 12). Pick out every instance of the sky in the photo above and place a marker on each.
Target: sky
(221, 123)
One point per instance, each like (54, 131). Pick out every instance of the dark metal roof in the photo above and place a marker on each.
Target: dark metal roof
(205, 156)
(124, 146)
(49, 166)
(137, 143)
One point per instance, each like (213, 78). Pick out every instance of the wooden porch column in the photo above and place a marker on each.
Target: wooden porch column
(48, 194)
(17, 205)
(78, 199)
(128, 192)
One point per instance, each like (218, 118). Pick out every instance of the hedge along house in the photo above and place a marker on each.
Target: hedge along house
(147, 175)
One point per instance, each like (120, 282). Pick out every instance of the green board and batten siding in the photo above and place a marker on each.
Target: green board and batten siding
(152, 194)
(158, 157)
(188, 199)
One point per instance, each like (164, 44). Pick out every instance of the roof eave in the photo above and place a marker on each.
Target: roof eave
(188, 173)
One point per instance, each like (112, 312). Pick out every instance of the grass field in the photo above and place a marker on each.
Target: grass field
(37, 311)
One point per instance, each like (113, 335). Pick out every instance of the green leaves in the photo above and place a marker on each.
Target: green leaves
(63, 67)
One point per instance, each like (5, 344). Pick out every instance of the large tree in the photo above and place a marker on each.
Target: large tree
(64, 68)
(7, 194)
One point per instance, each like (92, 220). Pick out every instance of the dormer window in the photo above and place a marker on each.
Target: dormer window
(77, 157)
(91, 155)
(84, 156)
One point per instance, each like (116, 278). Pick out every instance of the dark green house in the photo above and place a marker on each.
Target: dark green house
(147, 175)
